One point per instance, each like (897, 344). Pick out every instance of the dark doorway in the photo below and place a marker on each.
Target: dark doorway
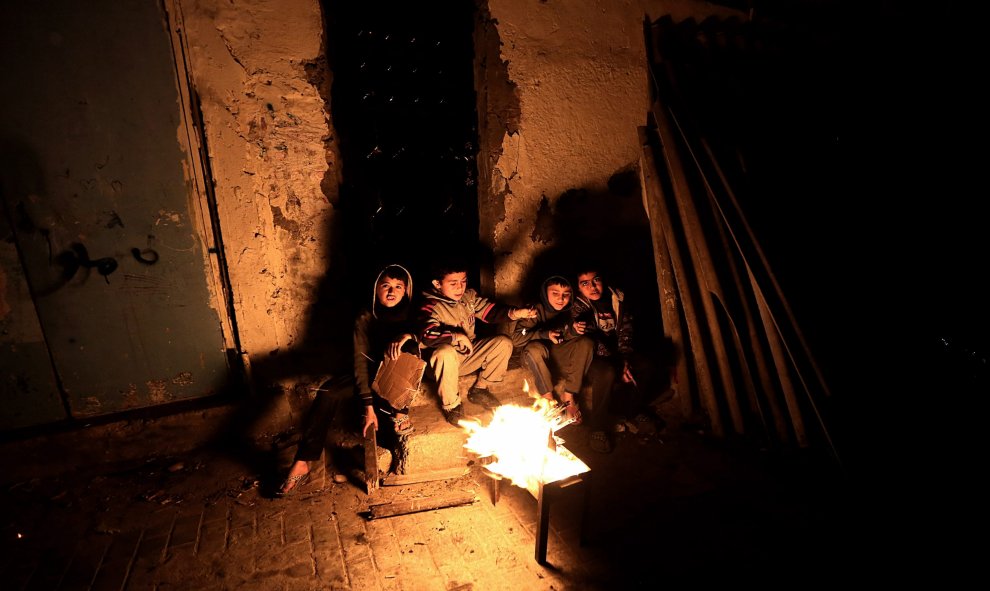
(403, 104)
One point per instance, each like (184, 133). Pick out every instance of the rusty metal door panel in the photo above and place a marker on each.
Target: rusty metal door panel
(28, 390)
(102, 216)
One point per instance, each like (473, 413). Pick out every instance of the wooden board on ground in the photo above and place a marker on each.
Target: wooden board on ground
(403, 479)
(403, 507)
(371, 475)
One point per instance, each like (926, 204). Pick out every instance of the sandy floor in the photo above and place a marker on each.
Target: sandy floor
(667, 507)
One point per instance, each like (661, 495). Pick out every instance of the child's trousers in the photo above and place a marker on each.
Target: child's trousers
(569, 362)
(490, 355)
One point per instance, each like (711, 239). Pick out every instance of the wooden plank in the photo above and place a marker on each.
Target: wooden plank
(403, 507)
(542, 522)
(403, 479)
(703, 265)
(670, 299)
(371, 476)
(792, 319)
(702, 366)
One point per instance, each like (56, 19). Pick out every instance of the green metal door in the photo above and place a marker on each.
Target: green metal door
(98, 193)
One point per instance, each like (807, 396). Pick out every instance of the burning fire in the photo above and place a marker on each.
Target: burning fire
(522, 442)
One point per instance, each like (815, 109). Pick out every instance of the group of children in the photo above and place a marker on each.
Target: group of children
(567, 341)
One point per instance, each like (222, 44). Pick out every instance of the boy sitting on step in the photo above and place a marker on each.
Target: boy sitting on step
(552, 349)
(447, 326)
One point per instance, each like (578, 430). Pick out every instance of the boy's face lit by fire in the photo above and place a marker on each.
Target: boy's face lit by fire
(590, 286)
(452, 285)
(390, 291)
(558, 296)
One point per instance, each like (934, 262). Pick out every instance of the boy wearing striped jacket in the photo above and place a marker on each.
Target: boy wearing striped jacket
(447, 326)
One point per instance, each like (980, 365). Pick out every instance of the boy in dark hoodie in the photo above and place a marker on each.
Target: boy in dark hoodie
(599, 311)
(549, 340)
(446, 324)
(383, 330)
(633, 377)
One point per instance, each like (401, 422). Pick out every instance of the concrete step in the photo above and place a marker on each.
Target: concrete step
(435, 444)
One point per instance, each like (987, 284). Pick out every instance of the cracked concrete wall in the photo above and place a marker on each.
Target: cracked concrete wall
(562, 88)
(260, 71)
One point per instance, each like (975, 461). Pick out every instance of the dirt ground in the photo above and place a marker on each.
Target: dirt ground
(671, 506)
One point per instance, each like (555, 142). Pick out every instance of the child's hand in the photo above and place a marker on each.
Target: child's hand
(520, 313)
(370, 418)
(395, 347)
(580, 327)
(627, 375)
(556, 336)
(462, 343)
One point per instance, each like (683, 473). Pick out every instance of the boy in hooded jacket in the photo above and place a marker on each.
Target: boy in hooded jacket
(552, 348)
(447, 325)
(599, 311)
(618, 369)
(384, 329)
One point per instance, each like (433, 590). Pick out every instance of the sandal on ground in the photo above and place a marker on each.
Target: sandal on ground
(649, 424)
(599, 442)
(292, 483)
(573, 412)
(403, 424)
(571, 409)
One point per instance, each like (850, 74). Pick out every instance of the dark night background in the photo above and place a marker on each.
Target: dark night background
(404, 108)
(863, 149)
(873, 216)
(910, 235)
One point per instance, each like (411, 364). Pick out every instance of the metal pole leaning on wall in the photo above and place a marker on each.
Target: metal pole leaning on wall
(778, 346)
(670, 304)
(702, 367)
(666, 122)
(744, 291)
(782, 387)
(755, 349)
(701, 257)
(777, 350)
(773, 339)
(788, 367)
(773, 279)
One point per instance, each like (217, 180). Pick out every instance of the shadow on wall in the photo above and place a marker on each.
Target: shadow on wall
(401, 180)
(234, 413)
(608, 228)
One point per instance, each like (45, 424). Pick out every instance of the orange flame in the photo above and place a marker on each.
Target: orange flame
(522, 442)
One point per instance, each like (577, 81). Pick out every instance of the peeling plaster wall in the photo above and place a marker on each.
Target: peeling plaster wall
(260, 71)
(562, 88)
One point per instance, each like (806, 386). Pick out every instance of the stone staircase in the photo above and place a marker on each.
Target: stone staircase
(435, 448)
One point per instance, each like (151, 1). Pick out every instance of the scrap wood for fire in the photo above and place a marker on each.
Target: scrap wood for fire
(404, 479)
(372, 477)
(403, 507)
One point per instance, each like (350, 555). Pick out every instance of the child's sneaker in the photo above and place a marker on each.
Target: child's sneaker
(482, 397)
(649, 425)
(403, 424)
(599, 442)
(453, 415)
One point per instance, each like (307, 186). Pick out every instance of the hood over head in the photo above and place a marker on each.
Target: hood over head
(398, 272)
